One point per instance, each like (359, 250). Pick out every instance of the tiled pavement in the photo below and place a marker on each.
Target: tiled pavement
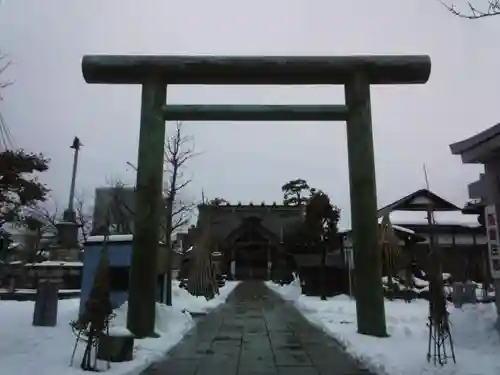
(256, 333)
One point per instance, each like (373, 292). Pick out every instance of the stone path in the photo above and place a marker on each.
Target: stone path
(256, 333)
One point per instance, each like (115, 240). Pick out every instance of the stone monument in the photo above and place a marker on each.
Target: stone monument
(484, 148)
(49, 280)
(67, 229)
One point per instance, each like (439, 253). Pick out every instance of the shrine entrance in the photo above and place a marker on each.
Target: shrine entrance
(251, 247)
(355, 73)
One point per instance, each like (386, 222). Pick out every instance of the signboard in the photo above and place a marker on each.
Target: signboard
(349, 257)
(233, 268)
(493, 240)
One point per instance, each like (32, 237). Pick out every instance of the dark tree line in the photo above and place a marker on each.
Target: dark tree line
(321, 216)
(19, 185)
(318, 232)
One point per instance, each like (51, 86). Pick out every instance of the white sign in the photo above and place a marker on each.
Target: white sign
(233, 268)
(490, 216)
(349, 257)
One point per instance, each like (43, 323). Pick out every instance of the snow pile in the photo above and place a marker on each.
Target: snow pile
(25, 349)
(477, 344)
(289, 292)
(194, 304)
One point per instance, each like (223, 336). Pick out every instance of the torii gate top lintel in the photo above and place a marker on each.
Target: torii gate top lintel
(255, 70)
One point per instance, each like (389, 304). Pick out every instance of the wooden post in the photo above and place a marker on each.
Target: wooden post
(322, 273)
(367, 254)
(143, 279)
(268, 265)
(167, 277)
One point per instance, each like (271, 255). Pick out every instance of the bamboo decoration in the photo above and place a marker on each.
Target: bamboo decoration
(438, 324)
(202, 280)
(94, 322)
(391, 251)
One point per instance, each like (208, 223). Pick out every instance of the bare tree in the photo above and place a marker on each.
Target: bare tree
(49, 217)
(115, 213)
(83, 216)
(121, 210)
(177, 212)
(6, 141)
(473, 11)
(181, 215)
(179, 149)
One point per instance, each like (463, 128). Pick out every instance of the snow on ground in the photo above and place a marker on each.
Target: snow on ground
(200, 304)
(25, 349)
(476, 342)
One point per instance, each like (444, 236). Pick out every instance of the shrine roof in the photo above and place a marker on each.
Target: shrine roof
(480, 147)
(419, 200)
(461, 146)
(251, 205)
(412, 210)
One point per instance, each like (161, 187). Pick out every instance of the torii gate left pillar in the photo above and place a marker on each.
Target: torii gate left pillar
(356, 73)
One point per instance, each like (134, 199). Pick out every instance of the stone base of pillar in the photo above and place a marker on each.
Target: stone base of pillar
(67, 233)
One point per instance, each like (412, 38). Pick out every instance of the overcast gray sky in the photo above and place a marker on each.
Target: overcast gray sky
(50, 102)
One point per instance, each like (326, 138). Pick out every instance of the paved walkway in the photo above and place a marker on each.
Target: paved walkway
(256, 333)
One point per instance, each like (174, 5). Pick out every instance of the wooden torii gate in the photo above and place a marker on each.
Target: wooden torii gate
(356, 73)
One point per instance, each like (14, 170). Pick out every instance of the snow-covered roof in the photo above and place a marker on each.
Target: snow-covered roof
(402, 229)
(398, 227)
(111, 238)
(394, 226)
(180, 251)
(441, 218)
(55, 263)
(13, 245)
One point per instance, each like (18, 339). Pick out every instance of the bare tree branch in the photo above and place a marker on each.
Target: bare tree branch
(49, 217)
(492, 8)
(6, 140)
(119, 211)
(179, 149)
(181, 214)
(83, 216)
